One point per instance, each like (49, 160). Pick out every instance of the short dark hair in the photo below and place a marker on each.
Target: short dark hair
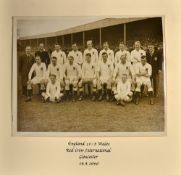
(38, 55)
(70, 56)
(54, 57)
(121, 43)
(52, 75)
(74, 44)
(143, 57)
(105, 42)
(137, 42)
(57, 44)
(124, 74)
(27, 46)
(151, 44)
(88, 54)
(104, 53)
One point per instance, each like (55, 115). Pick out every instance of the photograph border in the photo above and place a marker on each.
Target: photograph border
(14, 96)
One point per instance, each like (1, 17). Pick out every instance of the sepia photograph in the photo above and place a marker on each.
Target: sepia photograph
(91, 85)
(82, 75)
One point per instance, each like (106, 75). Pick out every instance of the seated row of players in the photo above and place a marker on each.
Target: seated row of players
(121, 80)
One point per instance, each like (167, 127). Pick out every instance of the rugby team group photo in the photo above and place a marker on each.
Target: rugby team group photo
(123, 77)
(90, 74)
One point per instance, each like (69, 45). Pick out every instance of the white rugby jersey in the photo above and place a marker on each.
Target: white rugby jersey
(120, 53)
(94, 55)
(53, 89)
(110, 54)
(60, 55)
(136, 55)
(140, 68)
(57, 70)
(77, 56)
(40, 70)
(121, 69)
(72, 71)
(105, 69)
(88, 70)
(123, 88)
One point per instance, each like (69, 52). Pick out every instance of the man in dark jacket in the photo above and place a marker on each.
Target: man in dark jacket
(43, 54)
(154, 58)
(25, 62)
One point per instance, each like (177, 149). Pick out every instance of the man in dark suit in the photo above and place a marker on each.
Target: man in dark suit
(43, 54)
(25, 62)
(154, 58)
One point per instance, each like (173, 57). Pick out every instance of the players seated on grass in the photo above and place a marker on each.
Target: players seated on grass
(105, 72)
(59, 54)
(122, 51)
(109, 52)
(124, 93)
(58, 70)
(92, 51)
(143, 74)
(76, 54)
(88, 77)
(72, 78)
(53, 90)
(39, 68)
(123, 67)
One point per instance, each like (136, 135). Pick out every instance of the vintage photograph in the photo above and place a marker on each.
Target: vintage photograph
(99, 74)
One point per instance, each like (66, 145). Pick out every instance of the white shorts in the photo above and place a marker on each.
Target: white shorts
(123, 96)
(52, 97)
(60, 81)
(37, 80)
(143, 80)
(105, 79)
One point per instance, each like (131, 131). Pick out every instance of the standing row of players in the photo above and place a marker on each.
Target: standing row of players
(120, 76)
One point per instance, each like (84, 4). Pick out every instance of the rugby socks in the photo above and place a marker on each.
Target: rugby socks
(74, 95)
(108, 94)
(137, 95)
(150, 93)
(80, 95)
(100, 94)
(94, 96)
